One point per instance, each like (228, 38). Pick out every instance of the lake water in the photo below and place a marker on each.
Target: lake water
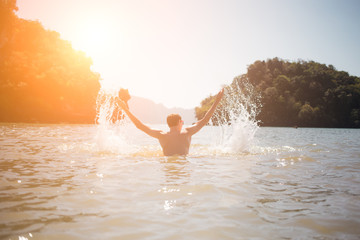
(85, 182)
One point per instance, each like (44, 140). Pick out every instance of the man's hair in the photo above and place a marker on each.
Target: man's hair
(173, 120)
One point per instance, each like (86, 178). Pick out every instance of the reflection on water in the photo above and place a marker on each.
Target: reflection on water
(56, 183)
(176, 170)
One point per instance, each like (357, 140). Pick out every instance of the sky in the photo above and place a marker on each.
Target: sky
(178, 52)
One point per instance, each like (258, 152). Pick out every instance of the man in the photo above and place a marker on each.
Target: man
(176, 141)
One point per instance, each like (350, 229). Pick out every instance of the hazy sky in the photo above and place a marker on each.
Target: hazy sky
(177, 52)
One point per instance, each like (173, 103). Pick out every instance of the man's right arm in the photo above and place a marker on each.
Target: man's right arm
(138, 124)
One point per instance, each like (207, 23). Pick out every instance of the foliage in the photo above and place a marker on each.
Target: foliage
(205, 105)
(42, 78)
(303, 93)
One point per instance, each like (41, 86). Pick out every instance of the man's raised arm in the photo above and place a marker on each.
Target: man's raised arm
(151, 132)
(195, 128)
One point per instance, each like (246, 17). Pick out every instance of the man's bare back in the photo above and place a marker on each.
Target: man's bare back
(176, 141)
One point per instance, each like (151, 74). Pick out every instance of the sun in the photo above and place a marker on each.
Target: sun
(93, 36)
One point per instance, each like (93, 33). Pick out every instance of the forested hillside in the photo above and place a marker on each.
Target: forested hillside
(302, 93)
(42, 78)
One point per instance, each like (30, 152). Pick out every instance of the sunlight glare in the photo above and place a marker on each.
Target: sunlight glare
(94, 37)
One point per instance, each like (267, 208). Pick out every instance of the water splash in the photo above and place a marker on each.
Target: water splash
(237, 117)
(112, 133)
(234, 124)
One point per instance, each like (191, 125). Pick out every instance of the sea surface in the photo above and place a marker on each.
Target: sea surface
(94, 182)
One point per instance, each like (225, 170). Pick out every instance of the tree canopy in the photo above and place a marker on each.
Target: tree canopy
(42, 78)
(301, 93)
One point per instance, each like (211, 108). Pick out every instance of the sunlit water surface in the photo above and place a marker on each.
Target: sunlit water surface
(79, 182)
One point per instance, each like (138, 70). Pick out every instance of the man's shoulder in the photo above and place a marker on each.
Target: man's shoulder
(162, 133)
(188, 130)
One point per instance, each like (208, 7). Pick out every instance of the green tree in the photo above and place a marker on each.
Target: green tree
(303, 93)
(42, 78)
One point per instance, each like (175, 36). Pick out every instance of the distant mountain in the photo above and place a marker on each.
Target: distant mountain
(155, 113)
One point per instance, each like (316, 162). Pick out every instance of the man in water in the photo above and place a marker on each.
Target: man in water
(176, 141)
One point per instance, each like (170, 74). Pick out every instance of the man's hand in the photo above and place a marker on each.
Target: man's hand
(123, 99)
(124, 95)
(220, 95)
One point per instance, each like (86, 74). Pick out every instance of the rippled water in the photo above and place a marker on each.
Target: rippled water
(69, 182)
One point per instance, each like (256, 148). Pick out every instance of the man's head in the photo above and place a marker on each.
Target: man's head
(173, 120)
